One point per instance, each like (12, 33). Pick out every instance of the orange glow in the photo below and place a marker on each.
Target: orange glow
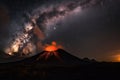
(51, 51)
(52, 47)
(117, 58)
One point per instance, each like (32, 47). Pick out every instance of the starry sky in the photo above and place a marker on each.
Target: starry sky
(89, 30)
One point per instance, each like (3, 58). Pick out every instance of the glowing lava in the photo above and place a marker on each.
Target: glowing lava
(51, 50)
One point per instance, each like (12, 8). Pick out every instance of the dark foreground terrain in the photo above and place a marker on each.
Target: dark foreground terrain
(92, 71)
(64, 66)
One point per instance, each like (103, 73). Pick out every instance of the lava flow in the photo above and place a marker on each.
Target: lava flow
(51, 50)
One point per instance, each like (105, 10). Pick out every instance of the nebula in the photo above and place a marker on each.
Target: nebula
(40, 21)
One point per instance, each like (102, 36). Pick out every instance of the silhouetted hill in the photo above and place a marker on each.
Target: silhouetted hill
(60, 57)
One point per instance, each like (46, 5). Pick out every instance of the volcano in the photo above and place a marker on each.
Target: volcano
(47, 65)
(58, 57)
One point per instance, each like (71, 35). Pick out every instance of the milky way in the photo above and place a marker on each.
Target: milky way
(38, 23)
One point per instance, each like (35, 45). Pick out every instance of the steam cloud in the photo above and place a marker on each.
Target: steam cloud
(38, 23)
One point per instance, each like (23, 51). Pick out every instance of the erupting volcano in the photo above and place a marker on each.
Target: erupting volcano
(53, 54)
(50, 50)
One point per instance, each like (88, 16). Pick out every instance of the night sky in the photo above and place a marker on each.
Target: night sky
(89, 29)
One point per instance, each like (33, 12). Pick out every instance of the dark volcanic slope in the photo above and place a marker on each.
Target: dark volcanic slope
(63, 58)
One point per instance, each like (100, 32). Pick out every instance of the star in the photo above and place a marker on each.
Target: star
(54, 28)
